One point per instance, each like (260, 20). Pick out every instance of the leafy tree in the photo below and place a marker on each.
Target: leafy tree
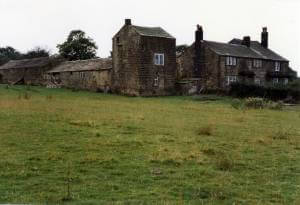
(78, 47)
(9, 53)
(37, 52)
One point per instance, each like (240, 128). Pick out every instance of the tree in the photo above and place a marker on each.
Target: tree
(78, 46)
(9, 53)
(37, 52)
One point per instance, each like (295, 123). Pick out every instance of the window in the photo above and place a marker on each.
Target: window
(257, 63)
(159, 59)
(250, 62)
(230, 79)
(81, 75)
(277, 66)
(257, 81)
(286, 81)
(231, 61)
(275, 80)
(156, 81)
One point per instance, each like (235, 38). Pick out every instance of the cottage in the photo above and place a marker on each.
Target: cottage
(28, 71)
(216, 65)
(144, 61)
(93, 75)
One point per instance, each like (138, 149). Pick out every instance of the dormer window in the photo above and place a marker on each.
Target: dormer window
(257, 63)
(277, 66)
(159, 59)
(231, 61)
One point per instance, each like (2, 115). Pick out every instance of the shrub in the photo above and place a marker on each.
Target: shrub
(237, 104)
(241, 90)
(256, 103)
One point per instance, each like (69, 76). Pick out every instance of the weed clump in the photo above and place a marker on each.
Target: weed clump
(83, 123)
(281, 135)
(206, 131)
(25, 96)
(49, 97)
(225, 163)
(256, 103)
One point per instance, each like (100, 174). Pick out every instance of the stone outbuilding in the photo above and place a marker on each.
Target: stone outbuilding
(144, 61)
(93, 75)
(216, 65)
(28, 71)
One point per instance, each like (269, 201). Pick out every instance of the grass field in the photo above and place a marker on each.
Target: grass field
(108, 149)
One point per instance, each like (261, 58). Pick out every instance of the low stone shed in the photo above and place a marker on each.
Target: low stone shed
(27, 71)
(93, 75)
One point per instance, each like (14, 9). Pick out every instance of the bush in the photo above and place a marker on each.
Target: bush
(237, 104)
(256, 103)
(273, 93)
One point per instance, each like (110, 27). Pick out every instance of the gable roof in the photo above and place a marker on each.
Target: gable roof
(236, 49)
(26, 63)
(265, 53)
(83, 65)
(152, 32)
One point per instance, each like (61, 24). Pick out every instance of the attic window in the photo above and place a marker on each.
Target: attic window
(231, 61)
(257, 63)
(159, 59)
(277, 66)
(118, 40)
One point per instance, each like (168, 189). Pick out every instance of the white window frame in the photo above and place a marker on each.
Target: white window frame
(277, 66)
(156, 81)
(231, 61)
(159, 59)
(231, 79)
(257, 63)
(286, 81)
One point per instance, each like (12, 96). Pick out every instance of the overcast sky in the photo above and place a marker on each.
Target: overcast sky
(25, 24)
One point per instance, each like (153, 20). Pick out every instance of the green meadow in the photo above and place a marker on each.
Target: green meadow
(64, 147)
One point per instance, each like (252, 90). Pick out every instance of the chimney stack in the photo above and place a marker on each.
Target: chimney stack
(128, 22)
(199, 34)
(247, 41)
(265, 38)
(198, 51)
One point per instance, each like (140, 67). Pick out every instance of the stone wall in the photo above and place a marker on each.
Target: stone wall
(98, 81)
(126, 62)
(148, 73)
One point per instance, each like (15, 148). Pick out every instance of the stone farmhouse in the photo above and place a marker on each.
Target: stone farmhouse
(215, 65)
(144, 62)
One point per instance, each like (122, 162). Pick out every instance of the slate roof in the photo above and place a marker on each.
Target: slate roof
(83, 65)
(26, 63)
(234, 48)
(153, 32)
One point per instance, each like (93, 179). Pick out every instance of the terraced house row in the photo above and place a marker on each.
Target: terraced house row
(145, 62)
